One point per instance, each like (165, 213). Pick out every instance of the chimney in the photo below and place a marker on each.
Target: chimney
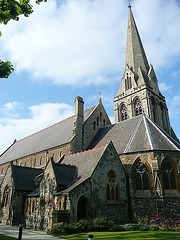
(77, 143)
(79, 107)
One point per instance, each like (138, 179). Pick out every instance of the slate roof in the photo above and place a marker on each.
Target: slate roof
(137, 134)
(24, 177)
(34, 193)
(64, 173)
(53, 136)
(85, 162)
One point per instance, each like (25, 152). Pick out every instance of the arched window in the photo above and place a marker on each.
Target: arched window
(97, 121)
(5, 196)
(101, 116)
(169, 173)
(123, 112)
(128, 83)
(162, 114)
(104, 122)
(141, 176)
(112, 186)
(33, 207)
(94, 126)
(154, 108)
(137, 107)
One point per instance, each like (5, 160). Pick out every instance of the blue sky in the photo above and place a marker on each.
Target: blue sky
(78, 48)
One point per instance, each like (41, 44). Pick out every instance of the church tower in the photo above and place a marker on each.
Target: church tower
(139, 92)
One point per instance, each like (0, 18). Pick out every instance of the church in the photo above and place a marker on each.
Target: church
(86, 167)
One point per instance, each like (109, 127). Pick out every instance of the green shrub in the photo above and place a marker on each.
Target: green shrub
(100, 224)
(84, 225)
(59, 228)
(153, 227)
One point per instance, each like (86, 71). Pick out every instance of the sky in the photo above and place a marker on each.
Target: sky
(70, 48)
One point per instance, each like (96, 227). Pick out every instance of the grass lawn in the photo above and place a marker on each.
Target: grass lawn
(3, 237)
(130, 235)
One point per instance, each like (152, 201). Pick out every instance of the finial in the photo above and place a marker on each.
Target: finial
(129, 6)
(100, 94)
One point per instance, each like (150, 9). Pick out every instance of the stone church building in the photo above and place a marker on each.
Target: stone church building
(86, 167)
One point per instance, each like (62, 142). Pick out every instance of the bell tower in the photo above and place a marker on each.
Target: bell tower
(138, 92)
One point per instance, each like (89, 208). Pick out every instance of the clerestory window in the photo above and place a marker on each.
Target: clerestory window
(123, 112)
(137, 107)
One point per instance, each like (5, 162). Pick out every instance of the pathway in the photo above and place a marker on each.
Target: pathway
(27, 233)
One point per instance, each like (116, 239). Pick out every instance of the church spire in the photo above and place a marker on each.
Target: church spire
(135, 54)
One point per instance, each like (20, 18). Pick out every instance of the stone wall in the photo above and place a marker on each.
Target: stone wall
(153, 201)
(94, 191)
(41, 159)
(95, 121)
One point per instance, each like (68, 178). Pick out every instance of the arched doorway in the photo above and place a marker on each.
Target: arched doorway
(81, 208)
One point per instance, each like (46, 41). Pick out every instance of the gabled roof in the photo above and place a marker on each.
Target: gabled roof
(135, 54)
(24, 177)
(85, 162)
(53, 136)
(137, 134)
(64, 173)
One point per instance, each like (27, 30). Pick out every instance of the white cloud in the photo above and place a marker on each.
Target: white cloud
(164, 87)
(74, 42)
(83, 41)
(174, 108)
(41, 116)
(158, 23)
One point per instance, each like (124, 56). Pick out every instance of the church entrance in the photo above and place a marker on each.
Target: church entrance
(81, 208)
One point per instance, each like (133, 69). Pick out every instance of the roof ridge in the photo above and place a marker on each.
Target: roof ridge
(45, 128)
(64, 164)
(148, 133)
(28, 167)
(162, 133)
(89, 108)
(90, 150)
(132, 136)
(51, 126)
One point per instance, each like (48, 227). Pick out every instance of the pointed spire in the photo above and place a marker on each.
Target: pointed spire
(135, 54)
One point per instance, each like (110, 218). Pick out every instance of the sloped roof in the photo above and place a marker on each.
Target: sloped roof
(53, 136)
(64, 173)
(137, 134)
(135, 54)
(24, 177)
(85, 162)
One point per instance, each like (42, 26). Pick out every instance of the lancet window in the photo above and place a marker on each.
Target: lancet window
(141, 177)
(5, 196)
(154, 108)
(112, 186)
(137, 107)
(123, 112)
(168, 176)
(128, 83)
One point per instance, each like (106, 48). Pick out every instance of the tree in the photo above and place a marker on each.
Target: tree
(11, 10)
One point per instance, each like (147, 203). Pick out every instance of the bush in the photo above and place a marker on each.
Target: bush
(59, 228)
(84, 225)
(101, 224)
